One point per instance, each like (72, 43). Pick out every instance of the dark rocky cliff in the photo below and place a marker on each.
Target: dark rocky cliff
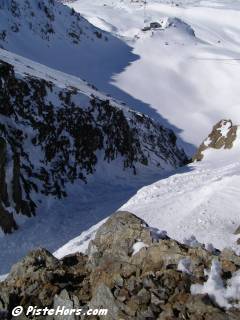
(51, 136)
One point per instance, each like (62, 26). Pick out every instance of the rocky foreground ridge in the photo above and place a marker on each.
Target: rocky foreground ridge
(134, 271)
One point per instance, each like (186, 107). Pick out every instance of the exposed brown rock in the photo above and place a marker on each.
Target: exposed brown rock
(217, 140)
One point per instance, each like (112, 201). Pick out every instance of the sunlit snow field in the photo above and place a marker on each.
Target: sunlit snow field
(192, 81)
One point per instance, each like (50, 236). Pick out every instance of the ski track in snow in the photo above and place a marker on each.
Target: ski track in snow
(204, 208)
(198, 200)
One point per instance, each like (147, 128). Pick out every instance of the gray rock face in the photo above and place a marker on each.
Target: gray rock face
(104, 297)
(115, 239)
(63, 300)
(141, 284)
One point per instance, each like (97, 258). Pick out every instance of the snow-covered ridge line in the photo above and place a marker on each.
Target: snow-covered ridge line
(42, 18)
(25, 67)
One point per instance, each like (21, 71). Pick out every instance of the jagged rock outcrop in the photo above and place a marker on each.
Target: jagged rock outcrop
(132, 281)
(50, 137)
(223, 135)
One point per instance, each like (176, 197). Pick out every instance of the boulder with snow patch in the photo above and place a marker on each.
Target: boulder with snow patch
(115, 238)
(223, 135)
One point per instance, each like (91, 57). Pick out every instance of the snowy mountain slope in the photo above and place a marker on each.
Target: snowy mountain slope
(190, 81)
(200, 200)
(65, 145)
(24, 67)
(52, 34)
